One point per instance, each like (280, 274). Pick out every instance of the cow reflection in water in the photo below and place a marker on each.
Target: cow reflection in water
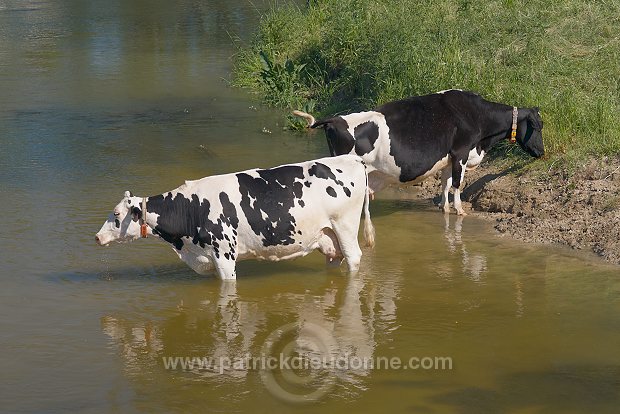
(231, 335)
(474, 265)
(357, 312)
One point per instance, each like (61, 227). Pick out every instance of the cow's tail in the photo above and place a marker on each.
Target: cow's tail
(306, 116)
(369, 229)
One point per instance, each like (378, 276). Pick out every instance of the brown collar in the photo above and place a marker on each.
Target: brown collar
(513, 133)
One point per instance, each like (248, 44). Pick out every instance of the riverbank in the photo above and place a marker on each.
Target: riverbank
(335, 56)
(578, 206)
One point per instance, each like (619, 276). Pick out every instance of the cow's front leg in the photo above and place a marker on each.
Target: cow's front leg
(446, 183)
(225, 267)
(458, 174)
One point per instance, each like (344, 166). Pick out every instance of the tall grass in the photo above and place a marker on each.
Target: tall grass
(562, 56)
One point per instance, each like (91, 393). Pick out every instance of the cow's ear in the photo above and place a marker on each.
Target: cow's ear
(136, 213)
(534, 118)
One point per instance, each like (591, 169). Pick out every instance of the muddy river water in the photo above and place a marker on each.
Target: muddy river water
(98, 97)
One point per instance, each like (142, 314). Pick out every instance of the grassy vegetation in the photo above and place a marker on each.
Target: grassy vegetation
(338, 56)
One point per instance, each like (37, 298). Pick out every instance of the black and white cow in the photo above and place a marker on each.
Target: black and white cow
(412, 139)
(273, 214)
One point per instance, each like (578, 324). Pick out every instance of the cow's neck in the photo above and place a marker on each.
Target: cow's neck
(500, 123)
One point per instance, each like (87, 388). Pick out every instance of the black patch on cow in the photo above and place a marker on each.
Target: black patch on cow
(229, 212)
(299, 232)
(339, 170)
(301, 203)
(320, 170)
(365, 136)
(117, 223)
(136, 213)
(181, 217)
(339, 140)
(352, 184)
(424, 129)
(275, 191)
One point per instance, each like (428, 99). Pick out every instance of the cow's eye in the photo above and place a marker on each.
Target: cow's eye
(117, 223)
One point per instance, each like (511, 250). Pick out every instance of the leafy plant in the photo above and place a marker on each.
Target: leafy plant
(281, 81)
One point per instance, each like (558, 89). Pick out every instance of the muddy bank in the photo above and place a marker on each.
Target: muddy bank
(580, 209)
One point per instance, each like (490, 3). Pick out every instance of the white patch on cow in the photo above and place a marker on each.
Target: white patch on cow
(457, 193)
(447, 90)
(474, 159)
(446, 183)
(379, 159)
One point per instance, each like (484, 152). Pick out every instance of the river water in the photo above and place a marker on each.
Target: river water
(99, 97)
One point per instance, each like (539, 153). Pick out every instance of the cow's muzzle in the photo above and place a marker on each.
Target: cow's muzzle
(100, 240)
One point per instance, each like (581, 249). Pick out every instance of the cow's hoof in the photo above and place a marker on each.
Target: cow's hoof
(333, 261)
(461, 213)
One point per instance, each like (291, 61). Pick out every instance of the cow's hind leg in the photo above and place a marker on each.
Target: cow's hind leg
(346, 231)
(446, 183)
(457, 193)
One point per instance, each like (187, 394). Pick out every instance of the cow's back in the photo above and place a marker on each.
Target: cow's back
(290, 204)
(422, 129)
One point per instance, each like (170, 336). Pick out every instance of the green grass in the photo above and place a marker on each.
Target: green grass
(338, 56)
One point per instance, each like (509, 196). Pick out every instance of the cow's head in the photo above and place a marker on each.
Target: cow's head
(529, 135)
(339, 139)
(123, 223)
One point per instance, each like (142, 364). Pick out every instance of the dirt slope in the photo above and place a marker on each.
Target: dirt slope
(579, 209)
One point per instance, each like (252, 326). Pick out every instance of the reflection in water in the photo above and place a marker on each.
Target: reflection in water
(474, 265)
(356, 315)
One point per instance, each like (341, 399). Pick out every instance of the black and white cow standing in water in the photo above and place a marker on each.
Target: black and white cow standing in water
(411, 139)
(273, 214)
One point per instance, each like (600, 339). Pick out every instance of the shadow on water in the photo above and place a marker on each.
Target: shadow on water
(181, 273)
(568, 388)
(155, 274)
(382, 207)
